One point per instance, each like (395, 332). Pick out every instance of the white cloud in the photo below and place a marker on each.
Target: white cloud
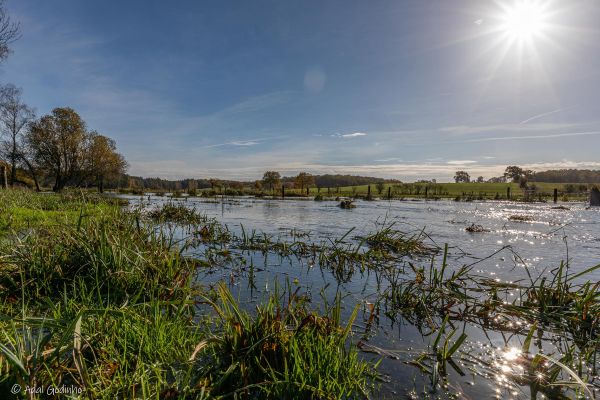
(460, 162)
(355, 134)
(348, 135)
(247, 143)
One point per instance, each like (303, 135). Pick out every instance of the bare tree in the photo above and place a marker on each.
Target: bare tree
(14, 118)
(9, 32)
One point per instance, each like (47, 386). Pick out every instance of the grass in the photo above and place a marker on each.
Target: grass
(23, 209)
(471, 190)
(459, 191)
(109, 304)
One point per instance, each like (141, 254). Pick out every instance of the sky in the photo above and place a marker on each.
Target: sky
(399, 89)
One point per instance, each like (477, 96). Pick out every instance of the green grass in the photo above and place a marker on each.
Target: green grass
(23, 209)
(448, 190)
(459, 191)
(109, 304)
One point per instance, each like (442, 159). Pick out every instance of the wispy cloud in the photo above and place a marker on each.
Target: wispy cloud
(461, 162)
(545, 114)
(475, 129)
(406, 171)
(242, 143)
(246, 143)
(349, 135)
(533, 137)
(388, 160)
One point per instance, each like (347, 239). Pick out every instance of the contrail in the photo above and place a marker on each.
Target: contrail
(550, 136)
(544, 114)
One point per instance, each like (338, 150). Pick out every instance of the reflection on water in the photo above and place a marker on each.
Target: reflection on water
(519, 238)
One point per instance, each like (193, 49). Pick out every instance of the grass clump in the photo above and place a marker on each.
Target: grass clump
(388, 239)
(285, 352)
(475, 228)
(176, 213)
(520, 218)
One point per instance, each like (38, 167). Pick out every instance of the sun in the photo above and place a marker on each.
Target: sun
(524, 21)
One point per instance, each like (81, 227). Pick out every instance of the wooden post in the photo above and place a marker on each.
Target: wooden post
(508, 193)
(555, 195)
(389, 192)
(595, 197)
(369, 192)
(328, 191)
(426, 190)
(307, 191)
(282, 191)
(3, 180)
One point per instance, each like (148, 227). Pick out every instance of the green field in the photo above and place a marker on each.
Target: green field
(536, 191)
(452, 190)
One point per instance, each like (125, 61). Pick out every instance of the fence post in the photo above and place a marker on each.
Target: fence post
(369, 192)
(389, 192)
(555, 195)
(282, 191)
(3, 180)
(508, 193)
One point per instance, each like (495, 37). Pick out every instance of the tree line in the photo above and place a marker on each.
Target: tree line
(271, 180)
(514, 173)
(56, 149)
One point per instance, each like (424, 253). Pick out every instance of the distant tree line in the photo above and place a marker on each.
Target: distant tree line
(271, 180)
(567, 176)
(514, 173)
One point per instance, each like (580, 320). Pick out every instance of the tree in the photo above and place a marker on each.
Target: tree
(514, 173)
(380, 187)
(480, 179)
(215, 183)
(304, 180)
(102, 160)
(9, 32)
(271, 179)
(462, 176)
(58, 143)
(258, 185)
(14, 118)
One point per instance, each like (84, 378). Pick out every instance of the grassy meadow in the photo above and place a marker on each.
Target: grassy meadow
(472, 190)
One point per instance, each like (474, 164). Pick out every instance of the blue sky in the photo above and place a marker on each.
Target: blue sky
(403, 89)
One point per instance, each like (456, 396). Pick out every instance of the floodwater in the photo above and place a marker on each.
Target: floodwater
(520, 240)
